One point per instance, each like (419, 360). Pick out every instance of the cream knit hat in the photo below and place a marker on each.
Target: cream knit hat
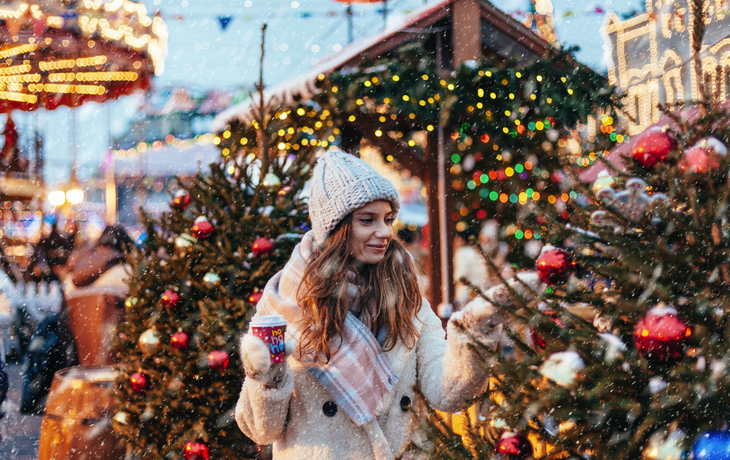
(342, 183)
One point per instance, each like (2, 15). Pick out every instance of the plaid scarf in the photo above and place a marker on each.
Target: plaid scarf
(358, 375)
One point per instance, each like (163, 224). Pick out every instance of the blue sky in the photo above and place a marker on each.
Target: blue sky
(202, 56)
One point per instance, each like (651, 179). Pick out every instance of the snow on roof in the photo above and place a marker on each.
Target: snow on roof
(304, 85)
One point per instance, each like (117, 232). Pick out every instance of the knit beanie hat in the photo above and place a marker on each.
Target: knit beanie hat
(342, 183)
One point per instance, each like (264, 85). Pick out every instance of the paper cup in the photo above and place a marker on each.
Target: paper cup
(271, 329)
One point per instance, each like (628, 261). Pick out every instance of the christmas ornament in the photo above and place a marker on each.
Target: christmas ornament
(711, 445)
(121, 417)
(285, 190)
(179, 341)
(554, 265)
(652, 147)
(604, 180)
(218, 360)
(538, 341)
(196, 450)
(255, 297)
(705, 156)
(211, 280)
(170, 298)
(202, 228)
(632, 203)
(181, 200)
(614, 348)
(663, 446)
(139, 382)
(562, 367)
(660, 335)
(184, 241)
(514, 444)
(149, 342)
(271, 182)
(261, 247)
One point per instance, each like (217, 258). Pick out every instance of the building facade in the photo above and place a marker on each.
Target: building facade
(651, 58)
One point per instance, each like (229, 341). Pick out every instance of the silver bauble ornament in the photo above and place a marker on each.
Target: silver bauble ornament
(271, 181)
(211, 280)
(184, 241)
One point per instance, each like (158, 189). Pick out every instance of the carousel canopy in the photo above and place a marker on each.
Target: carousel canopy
(55, 53)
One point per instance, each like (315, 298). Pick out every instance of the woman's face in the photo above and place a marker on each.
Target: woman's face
(372, 231)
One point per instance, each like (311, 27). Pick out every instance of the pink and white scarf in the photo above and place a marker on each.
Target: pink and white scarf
(358, 375)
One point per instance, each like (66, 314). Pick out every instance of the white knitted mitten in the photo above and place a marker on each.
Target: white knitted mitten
(257, 363)
(481, 319)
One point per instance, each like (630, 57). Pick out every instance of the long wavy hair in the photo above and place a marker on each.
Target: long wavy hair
(323, 297)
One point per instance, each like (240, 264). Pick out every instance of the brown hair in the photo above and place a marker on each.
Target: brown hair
(323, 297)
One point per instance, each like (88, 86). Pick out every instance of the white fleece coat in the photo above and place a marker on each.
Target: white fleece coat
(297, 416)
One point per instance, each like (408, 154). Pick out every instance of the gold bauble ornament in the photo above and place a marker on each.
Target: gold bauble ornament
(149, 342)
(184, 241)
(604, 180)
(121, 417)
(271, 181)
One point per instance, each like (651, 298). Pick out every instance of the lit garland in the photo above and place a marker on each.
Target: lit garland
(512, 129)
(183, 144)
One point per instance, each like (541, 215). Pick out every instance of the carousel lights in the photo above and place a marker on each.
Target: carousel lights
(16, 69)
(19, 97)
(21, 49)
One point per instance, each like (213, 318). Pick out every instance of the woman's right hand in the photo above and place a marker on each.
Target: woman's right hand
(257, 363)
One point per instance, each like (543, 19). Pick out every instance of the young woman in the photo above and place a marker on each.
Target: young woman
(361, 336)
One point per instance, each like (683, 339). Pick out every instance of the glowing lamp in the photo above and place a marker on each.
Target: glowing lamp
(57, 198)
(75, 196)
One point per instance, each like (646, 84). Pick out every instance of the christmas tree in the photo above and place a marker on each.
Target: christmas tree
(619, 333)
(193, 289)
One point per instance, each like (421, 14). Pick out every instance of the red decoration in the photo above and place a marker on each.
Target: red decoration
(218, 360)
(181, 200)
(255, 297)
(261, 247)
(196, 450)
(538, 341)
(554, 265)
(652, 148)
(705, 156)
(170, 298)
(660, 335)
(139, 382)
(515, 445)
(179, 341)
(202, 229)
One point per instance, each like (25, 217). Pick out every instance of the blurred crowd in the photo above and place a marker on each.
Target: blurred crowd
(39, 320)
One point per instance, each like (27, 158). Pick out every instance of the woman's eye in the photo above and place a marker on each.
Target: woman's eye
(366, 221)
(389, 221)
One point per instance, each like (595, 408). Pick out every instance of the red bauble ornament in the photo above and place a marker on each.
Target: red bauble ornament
(181, 200)
(554, 265)
(255, 297)
(660, 335)
(170, 298)
(202, 228)
(218, 360)
(179, 340)
(652, 147)
(139, 382)
(196, 450)
(515, 445)
(705, 156)
(261, 247)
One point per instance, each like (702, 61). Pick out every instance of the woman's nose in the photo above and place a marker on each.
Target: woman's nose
(383, 231)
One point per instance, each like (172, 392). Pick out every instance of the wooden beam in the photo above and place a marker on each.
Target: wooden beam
(467, 31)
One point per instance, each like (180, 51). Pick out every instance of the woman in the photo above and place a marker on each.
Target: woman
(361, 335)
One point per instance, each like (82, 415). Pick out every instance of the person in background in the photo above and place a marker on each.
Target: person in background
(103, 264)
